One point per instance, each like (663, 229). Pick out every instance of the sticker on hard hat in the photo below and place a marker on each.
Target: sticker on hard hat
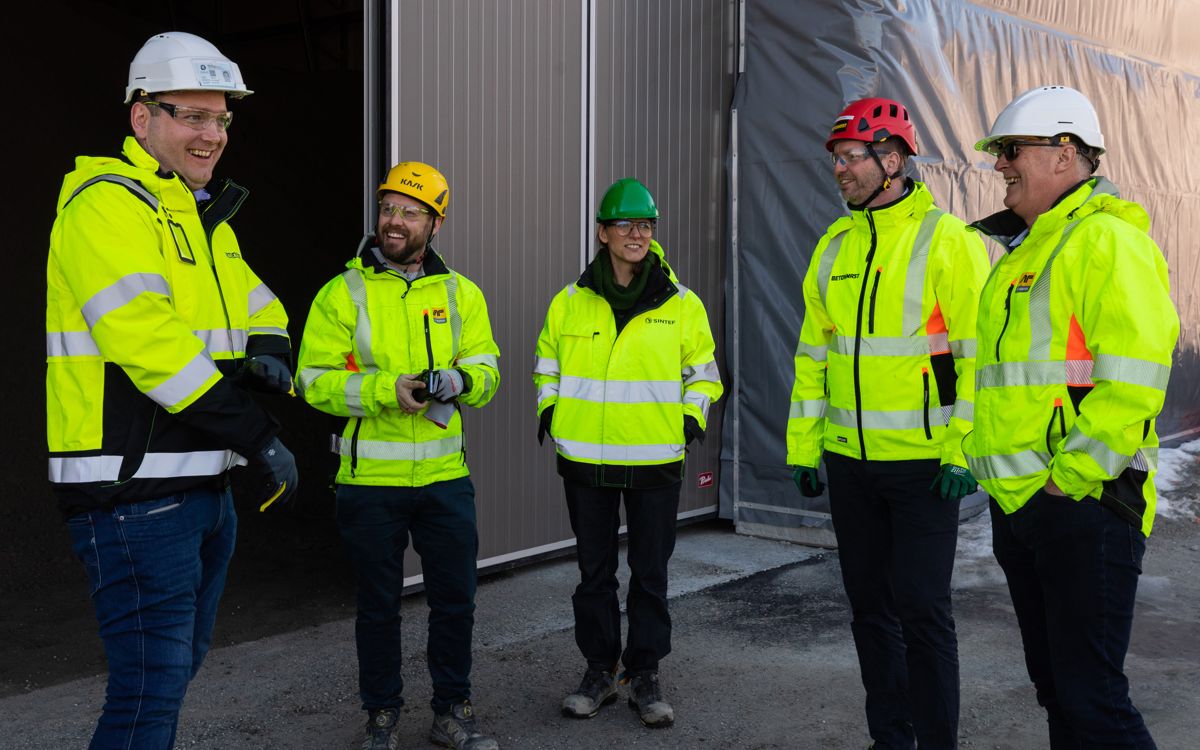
(841, 124)
(217, 74)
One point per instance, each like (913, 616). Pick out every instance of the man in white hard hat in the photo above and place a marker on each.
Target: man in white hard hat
(155, 329)
(1075, 335)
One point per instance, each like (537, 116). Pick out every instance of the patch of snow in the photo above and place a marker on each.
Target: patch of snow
(1178, 481)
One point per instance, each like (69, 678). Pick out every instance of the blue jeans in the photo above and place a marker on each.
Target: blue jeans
(156, 570)
(595, 514)
(375, 523)
(896, 541)
(1072, 569)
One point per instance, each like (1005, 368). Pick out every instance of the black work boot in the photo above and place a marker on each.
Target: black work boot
(456, 729)
(381, 730)
(596, 690)
(645, 696)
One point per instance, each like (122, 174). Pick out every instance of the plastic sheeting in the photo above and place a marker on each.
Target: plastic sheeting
(955, 65)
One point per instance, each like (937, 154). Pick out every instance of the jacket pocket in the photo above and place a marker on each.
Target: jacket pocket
(1057, 419)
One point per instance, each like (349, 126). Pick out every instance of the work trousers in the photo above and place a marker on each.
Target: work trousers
(375, 523)
(156, 570)
(650, 515)
(896, 542)
(1072, 568)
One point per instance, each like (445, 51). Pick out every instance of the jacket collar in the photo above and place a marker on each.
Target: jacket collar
(915, 202)
(1006, 227)
(366, 260)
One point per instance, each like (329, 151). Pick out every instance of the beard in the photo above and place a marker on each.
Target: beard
(406, 251)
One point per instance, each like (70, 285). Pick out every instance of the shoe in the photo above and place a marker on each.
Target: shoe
(596, 690)
(456, 729)
(381, 730)
(645, 696)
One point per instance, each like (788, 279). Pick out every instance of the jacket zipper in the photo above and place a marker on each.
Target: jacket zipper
(862, 296)
(1007, 311)
(354, 445)
(925, 384)
(874, 291)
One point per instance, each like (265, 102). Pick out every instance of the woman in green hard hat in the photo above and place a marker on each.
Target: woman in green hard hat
(625, 376)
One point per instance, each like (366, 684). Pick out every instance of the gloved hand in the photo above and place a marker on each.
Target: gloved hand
(953, 483)
(807, 482)
(443, 385)
(273, 475)
(691, 430)
(544, 423)
(266, 372)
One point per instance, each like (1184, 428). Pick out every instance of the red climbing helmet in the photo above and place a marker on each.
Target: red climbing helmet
(873, 120)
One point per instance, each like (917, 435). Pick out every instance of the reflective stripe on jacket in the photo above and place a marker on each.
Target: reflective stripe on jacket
(1076, 334)
(148, 304)
(369, 326)
(886, 358)
(619, 398)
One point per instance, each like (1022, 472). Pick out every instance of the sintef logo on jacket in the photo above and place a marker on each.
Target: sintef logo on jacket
(659, 321)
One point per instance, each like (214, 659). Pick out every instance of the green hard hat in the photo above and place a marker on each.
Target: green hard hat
(627, 199)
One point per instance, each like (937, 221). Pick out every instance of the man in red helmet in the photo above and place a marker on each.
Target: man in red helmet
(884, 389)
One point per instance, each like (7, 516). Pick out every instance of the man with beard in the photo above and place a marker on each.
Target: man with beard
(884, 388)
(155, 325)
(1076, 334)
(397, 344)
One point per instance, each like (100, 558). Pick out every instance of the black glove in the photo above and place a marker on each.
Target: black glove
(807, 482)
(273, 475)
(266, 372)
(544, 423)
(691, 430)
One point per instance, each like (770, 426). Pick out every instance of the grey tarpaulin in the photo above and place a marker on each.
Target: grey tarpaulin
(955, 64)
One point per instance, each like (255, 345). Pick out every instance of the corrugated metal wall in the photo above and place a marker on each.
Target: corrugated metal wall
(497, 96)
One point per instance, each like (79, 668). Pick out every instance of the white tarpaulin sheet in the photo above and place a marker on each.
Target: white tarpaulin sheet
(955, 64)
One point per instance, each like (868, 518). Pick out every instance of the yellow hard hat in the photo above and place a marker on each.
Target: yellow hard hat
(420, 181)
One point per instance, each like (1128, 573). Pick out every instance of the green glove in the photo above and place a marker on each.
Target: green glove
(807, 482)
(953, 483)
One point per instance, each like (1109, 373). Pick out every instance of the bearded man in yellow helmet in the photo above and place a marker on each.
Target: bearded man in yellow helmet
(1076, 332)
(155, 326)
(397, 344)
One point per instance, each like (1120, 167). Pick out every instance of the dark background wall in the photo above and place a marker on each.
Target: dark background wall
(296, 144)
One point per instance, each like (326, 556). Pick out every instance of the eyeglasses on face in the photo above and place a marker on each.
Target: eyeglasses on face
(196, 119)
(407, 213)
(848, 158)
(623, 227)
(1010, 149)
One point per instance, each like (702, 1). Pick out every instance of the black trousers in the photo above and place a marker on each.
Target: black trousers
(595, 519)
(896, 543)
(1072, 568)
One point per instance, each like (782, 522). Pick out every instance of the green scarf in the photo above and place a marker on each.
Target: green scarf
(621, 297)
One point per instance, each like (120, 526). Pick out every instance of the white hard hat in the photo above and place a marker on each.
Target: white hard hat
(1046, 112)
(178, 61)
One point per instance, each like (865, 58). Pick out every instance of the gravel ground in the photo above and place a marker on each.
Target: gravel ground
(762, 659)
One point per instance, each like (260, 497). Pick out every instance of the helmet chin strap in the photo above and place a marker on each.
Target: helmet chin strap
(887, 181)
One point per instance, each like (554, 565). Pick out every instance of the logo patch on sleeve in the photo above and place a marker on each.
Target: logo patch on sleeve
(439, 314)
(1025, 283)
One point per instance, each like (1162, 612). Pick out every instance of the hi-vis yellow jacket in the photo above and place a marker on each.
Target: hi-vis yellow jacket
(885, 364)
(620, 397)
(369, 326)
(1076, 332)
(148, 304)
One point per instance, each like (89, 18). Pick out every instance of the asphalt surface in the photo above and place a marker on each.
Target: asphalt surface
(762, 659)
